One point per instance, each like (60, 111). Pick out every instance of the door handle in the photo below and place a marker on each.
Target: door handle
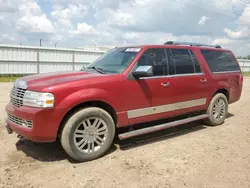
(164, 84)
(203, 80)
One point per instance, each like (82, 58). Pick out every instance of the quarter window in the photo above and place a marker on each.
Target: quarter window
(220, 61)
(182, 61)
(156, 57)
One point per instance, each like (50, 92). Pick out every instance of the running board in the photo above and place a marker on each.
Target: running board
(160, 127)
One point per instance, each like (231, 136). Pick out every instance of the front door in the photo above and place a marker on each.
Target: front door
(151, 95)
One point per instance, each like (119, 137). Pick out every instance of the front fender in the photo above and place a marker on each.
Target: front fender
(86, 95)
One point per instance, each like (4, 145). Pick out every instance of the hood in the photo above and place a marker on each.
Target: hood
(39, 81)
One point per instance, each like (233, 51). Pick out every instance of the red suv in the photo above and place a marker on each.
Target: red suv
(125, 88)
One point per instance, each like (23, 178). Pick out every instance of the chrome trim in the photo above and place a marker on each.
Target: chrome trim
(155, 128)
(190, 44)
(16, 96)
(152, 77)
(165, 84)
(225, 72)
(170, 76)
(191, 74)
(15, 102)
(165, 108)
(144, 68)
(21, 122)
(21, 84)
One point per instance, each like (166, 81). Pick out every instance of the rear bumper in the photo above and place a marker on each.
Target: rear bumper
(44, 122)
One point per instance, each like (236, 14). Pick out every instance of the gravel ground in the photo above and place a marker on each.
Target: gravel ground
(191, 155)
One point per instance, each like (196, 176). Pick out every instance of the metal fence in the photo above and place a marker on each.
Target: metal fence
(31, 60)
(244, 64)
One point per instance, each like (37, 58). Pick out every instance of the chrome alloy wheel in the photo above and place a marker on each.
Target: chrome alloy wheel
(219, 109)
(90, 135)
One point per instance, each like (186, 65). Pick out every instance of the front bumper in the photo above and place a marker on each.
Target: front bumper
(35, 124)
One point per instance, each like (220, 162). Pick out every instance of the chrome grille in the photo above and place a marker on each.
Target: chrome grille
(21, 122)
(16, 96)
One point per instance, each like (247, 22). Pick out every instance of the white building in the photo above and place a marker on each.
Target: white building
(96, 48)
(20, 59)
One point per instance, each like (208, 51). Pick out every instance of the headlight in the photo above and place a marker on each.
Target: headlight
(38, 99)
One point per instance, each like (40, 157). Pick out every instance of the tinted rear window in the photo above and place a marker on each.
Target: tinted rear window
(182, 61)
(220, 61)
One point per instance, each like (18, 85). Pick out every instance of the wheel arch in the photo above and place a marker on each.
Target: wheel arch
(94, 103)
(223, 91)
(210, 120)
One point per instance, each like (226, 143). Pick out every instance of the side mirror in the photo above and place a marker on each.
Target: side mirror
(143, 71)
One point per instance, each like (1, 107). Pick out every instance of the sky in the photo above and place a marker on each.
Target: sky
(79, 23)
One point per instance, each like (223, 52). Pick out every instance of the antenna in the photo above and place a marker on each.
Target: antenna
(190, 44)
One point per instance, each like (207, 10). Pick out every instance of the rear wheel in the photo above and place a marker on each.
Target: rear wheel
(217, 110)
(88, 134)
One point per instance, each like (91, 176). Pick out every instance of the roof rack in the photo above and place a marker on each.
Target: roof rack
(190, 43)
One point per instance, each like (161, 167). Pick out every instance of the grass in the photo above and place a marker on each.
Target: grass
(12, 78)
(246, 73)
(8, 78)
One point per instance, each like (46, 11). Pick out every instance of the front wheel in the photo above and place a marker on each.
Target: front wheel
(217, 110)
(88, 134)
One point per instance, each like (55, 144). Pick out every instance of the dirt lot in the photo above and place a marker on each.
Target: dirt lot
(192, 155)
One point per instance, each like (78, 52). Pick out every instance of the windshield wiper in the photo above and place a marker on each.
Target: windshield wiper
(100, 70)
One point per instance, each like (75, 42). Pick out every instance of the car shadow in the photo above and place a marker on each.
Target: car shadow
(163, 134)
(49, 152)
(45, 152)
(229, 115)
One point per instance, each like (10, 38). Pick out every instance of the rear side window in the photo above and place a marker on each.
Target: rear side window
(182, 61)
(220, 61)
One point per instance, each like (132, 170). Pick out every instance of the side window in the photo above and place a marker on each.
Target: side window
(155, 57)
(220, 61)
(182, 61)
(196, 62)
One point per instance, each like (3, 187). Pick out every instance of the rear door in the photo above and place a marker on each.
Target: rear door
(192, 87)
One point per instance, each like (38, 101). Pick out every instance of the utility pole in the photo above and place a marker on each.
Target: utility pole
(55, 44)
(40, 42)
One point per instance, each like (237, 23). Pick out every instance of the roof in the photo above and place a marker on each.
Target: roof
(170, 46)
(177, 44)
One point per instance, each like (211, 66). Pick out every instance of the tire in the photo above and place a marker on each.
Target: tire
(211, 112)
(77, 138)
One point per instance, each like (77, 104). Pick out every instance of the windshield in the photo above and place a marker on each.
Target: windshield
(115, 60)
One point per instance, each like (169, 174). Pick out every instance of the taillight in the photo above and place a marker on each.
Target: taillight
(241, 79)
